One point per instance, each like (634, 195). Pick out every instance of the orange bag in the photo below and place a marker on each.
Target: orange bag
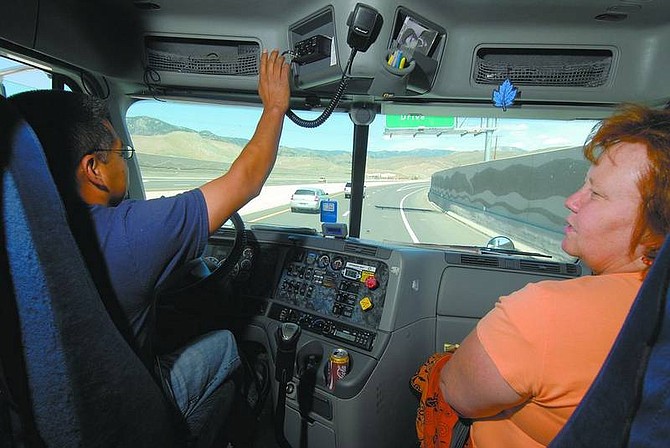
(435, 419)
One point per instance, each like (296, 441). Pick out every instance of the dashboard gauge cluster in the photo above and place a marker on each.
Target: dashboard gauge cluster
(242, 269)
(215, 254)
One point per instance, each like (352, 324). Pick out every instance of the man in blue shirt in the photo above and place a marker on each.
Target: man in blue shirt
(143, 242)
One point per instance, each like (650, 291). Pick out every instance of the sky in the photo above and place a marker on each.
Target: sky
(336, 133)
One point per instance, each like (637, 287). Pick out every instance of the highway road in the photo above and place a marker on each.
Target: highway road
(392, 212)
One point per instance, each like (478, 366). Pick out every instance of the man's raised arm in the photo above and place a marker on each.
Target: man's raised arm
(227, 194)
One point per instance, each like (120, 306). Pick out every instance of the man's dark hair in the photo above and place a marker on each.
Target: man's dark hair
(69, 125)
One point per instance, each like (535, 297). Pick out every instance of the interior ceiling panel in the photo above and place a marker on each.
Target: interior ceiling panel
(107, 34)
(111, 41)
(18, 21)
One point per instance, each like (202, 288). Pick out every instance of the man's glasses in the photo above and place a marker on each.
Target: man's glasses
(126, 151)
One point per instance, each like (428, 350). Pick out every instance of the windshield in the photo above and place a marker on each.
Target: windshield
(429, 180)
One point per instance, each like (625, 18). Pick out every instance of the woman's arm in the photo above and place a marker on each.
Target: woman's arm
(471, 383)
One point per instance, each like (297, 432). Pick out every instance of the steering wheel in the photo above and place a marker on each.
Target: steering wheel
(198, 272)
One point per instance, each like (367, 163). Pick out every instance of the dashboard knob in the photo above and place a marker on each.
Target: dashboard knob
(372, 283)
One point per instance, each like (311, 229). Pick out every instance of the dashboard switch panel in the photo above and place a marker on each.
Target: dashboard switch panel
(334, 285)
(323, 326)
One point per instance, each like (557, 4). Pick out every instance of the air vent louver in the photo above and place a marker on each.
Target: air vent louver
(537, 266)
(543, 67)
(207, 57)
(361, 249)
(475, 260)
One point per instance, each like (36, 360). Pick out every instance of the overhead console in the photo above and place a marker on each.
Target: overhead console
(337, 295)
(313, 42)
(406, 64)
(409, 65)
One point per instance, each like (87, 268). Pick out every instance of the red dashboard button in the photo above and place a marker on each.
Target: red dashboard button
(371, 282)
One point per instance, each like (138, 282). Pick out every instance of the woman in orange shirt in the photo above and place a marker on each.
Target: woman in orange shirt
(522, 372)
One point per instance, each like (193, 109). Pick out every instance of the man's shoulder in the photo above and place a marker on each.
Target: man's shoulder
(157, 216)
(186, 199)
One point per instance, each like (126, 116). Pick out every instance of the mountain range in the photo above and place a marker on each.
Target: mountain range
(204, 150)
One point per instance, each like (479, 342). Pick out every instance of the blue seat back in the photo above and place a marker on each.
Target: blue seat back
(83, 384)
(628, 404)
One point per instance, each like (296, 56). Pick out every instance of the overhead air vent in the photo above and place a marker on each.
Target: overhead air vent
(202, 56)
(543, 67)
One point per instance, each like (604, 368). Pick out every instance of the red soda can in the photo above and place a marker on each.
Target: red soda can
(338, 366)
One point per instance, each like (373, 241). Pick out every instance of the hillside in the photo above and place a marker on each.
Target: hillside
(190, 150)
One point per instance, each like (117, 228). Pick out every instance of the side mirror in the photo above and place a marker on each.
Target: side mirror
(500, 242)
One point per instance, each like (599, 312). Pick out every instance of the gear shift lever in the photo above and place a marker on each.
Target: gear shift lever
(287, 336)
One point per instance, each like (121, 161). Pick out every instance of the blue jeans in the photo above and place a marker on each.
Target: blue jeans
(196, 370)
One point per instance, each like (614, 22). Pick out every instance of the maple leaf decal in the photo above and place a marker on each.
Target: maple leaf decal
(504, 95)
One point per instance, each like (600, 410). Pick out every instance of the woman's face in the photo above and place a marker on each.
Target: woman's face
(603, 212)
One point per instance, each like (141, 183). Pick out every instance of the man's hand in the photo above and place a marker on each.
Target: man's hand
(273, 87)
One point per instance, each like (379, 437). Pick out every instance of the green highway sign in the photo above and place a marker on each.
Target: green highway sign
(413, 121)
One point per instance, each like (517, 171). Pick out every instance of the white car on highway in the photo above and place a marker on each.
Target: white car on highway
(307, 199)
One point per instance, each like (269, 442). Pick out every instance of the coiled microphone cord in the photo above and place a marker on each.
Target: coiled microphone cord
(344, 81)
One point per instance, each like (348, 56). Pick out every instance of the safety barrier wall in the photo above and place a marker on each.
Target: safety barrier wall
(500, 194)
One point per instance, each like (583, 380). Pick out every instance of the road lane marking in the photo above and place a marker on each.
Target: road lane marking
(270, 215)
(404, 219)
(410, 187)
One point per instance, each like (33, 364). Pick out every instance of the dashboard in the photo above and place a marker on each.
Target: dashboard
(389, 306)
(333, 294)
(356, 292)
